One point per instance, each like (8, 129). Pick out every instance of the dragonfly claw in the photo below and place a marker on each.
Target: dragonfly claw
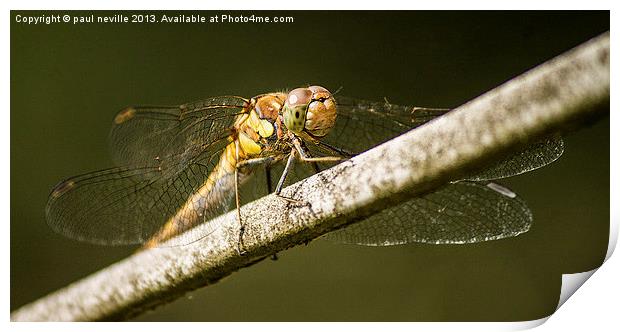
(240, 250)
(288, 199)
(293, 200)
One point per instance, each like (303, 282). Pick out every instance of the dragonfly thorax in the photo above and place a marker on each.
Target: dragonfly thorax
(259, 130)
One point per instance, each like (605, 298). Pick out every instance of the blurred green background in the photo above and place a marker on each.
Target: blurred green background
(68, 81)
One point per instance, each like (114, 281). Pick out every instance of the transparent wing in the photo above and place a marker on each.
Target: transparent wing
(170, 151)
(361, 125)
(535, 156)
(171, 134)
(129, 205)
(464, 212)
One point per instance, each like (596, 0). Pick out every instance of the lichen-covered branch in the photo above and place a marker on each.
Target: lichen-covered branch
(556, 95)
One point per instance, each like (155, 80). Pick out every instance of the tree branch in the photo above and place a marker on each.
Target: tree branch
(556, 95)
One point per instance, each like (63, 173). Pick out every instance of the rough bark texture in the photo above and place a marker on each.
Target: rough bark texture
(556, 95)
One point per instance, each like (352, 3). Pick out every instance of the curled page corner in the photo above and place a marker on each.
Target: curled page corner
(613, 235)
(530, 324)
(571, 282)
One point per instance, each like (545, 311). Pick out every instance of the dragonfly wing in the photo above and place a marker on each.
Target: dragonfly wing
(165, 155)
(361, 125)
(173, 134)
(464, 212)
(535, 156)
(127, 205)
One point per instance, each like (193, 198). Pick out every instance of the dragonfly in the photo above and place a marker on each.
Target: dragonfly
(181, 166)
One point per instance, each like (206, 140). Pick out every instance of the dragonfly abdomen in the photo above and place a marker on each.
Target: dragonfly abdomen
(210, 200)
(213, 197)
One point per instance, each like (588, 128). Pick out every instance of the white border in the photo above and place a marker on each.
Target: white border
(593, 306)
(315, 5)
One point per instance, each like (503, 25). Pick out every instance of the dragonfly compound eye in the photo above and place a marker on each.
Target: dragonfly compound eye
(312, 109)
(295, 109)
(321, 115)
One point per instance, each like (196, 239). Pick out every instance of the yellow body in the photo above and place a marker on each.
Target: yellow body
(250, 130)
(262, 130)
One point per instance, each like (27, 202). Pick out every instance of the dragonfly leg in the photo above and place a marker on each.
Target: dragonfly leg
(307, 158)
(274, 257)
(432, 109)
(334, 149)
(240, 165)
(268, 177)
(240, 248)
(317, 168)
(287, 168)
(321, 159)
(304, 156)
(255, 161)
(323, 146)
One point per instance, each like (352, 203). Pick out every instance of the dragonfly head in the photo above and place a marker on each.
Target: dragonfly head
(311, 109)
